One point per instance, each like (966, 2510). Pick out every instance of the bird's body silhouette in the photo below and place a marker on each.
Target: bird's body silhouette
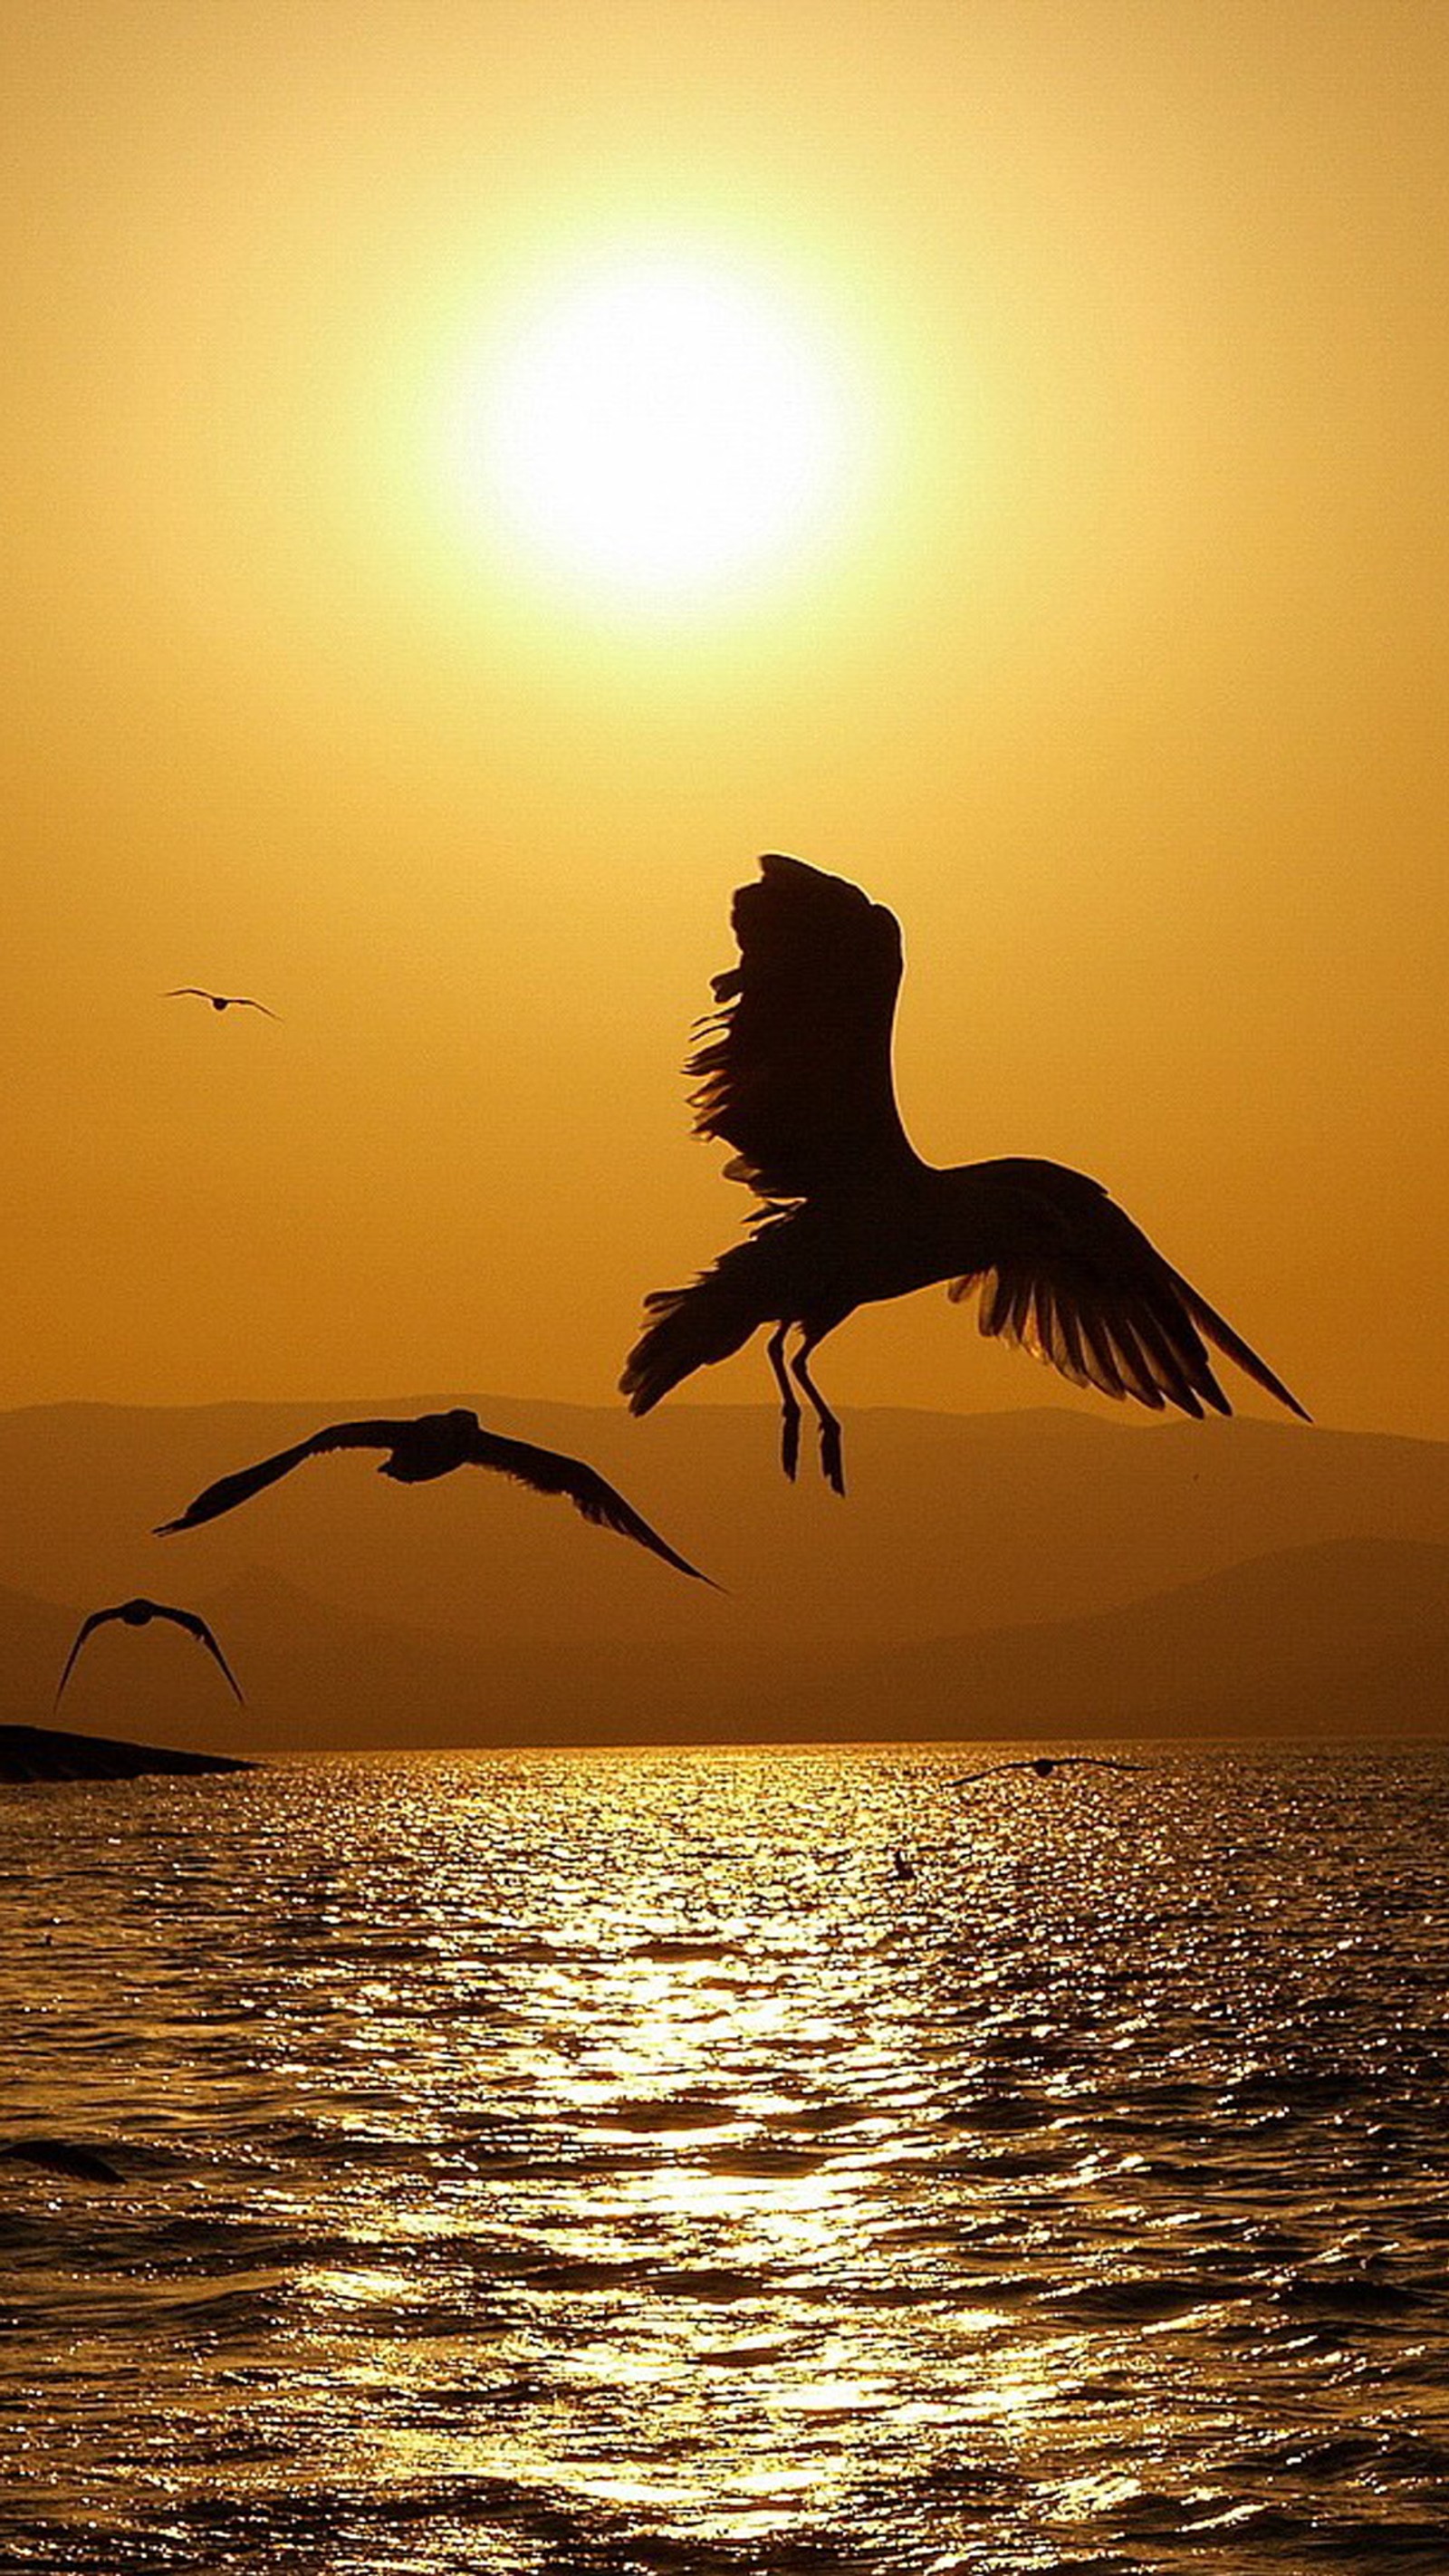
(429, 1445)
(219, 1001)
(60, 2155)
(1044, 1764)
(794, 1072)
(139, 1614)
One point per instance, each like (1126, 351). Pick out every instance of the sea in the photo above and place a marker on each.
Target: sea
(724, 2163)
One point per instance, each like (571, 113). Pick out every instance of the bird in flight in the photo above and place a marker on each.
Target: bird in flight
(220, 1001)
(431, 1445)
(794, 1071)
(139, 1614)
(1044, 1764)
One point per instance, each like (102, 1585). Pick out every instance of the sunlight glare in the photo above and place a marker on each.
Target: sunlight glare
(662, 431)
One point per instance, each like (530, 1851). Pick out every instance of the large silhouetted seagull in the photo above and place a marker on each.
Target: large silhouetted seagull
(433, 1444)
(219, 1001)
(795, 1073)
(139, 1614)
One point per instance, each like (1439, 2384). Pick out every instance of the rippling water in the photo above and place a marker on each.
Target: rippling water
(605, 2162)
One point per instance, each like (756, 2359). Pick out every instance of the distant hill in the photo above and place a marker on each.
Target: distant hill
(358, 1612)
(321, 1678)
(1350, 1637)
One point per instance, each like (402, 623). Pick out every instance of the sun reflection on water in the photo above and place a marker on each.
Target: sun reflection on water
(730, 2063)
(617, 2152)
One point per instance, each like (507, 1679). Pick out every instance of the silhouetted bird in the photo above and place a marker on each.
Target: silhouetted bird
(139, 1614)
(220, 1001)
(795, 1073)
(59, 2156)
(433, 1445)
(1044, 1764)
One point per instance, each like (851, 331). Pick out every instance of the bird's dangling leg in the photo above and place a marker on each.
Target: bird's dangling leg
(789, 1403)
(831, 1463)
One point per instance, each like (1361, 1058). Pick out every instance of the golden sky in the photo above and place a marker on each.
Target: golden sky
(1118, 670)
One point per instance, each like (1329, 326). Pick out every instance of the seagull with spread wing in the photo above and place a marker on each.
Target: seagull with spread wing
(1044, 1764)
(139, 1614)
(431, 1445)
(219, 1001)
(795, 1073)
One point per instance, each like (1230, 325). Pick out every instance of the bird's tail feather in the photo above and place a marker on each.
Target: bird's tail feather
(691, 1328)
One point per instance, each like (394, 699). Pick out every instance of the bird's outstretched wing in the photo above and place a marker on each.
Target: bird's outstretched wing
(175, 992)
(794, 1070)
(1092, 1762)
(246, 1003)
(95, 1619)
(547, 1472)
(196, 1626)
(228, 1491)
(1068, 1276)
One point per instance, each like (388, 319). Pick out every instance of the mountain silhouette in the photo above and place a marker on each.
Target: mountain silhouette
(1348, 1637)
(463, 1619)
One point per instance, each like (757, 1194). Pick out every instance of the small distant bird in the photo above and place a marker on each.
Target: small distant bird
(432, 1445)
(139, 1614)
(903, 1865)
(220, 1001)
(58, 2155)
(1044, 1764)
(795, 1073)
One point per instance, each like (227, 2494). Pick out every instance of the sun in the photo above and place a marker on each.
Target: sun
(662, 430)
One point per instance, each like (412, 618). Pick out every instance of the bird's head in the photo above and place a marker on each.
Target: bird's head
(462, 1419)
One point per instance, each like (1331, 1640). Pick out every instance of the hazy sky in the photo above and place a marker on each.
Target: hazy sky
(1117, 667)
